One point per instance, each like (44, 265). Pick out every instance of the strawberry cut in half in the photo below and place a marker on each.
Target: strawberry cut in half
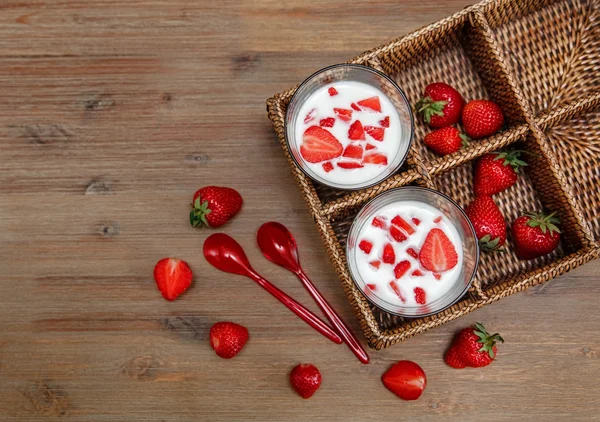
(327, 122)
(356, 131)
(349, 165)
(343, 114)
(365, 246)
(403, 224)
(319, 145)
(397, 234)
(353, 151)
(375, 158)
(332, 91)
(401, 268)
(173, 277)
(375, 132)
(438, 253)
(371, 103)
(388, 256)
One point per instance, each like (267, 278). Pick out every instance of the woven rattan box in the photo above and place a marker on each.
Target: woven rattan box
(540, 61)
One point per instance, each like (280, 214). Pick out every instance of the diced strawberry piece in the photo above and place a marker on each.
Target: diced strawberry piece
(332, 91)
(370, 147)
(438, 253)
(356, 131)
(327, 122)
(375, 264)
(437, 276)
(378, 222)
(420, 295)
(375, 158)
(401, 268)
(319, 145)
(371, 103)
(343, 113)
(401, 222)
(438, 219)
(397, 234)
(355, 107)
(388, 256)
(385, 122)
(372, 286)
(417, 273)
(375, 132)
(327, 166)
(396, 290)
(353, 151)
(412, 253)
(365, 246)
(349, 165)
(310, 116)
(416, 221)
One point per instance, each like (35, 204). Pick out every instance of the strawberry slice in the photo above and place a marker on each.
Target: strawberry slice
(419, 295)
(356, 131)
(375, 132)
(378, 222)
(401, 222)
(417, 273)
(375, 264)
(371, 103)
(388, 256)
(365, 246)
(372, 286)
(332, 91)
(412, 253)
(319, 145)
(375, 158)
(310, 116)
(401, 269)
(438, 253)
(397, 234)
(355, 107)
(327, 122)
(396, 290)
(327, 166)
(416, 221)
(349, 165)
(353, 151)
(437, 276)
(370, 147)
(173, 276)
(343, 113)
(437, 219)
(385, 122)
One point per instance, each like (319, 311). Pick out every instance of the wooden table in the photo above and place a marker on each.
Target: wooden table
(112, 114)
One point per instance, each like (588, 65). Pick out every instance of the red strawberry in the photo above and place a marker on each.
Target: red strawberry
(365, 246)
(378, 222)
(327, 166)
(385, 122)
(437, 276)
(353, 151)
(370, 147)
(173, 276)
(332, 91)
(412, 253)
(228, 338)
(482, 118)
(401, 268)
(319, 145)
(437, 219)
(496, 171)
(355, 107)
(401, 222)
(375, 264)
(535, 235)
(343, 113)
(441, 105)
(327, 122)
(310, 116)
(420, 296)
(356, 131)
(349, 165)
(416, 221)
(397, 234)
(213, 206)
(375, 158)
(397, 290)
(372, 286)
(446, 140)
(488, 222)
(305, 379)
(473, 347)
(417, 273)
(405, 379)
(371, 103)
(375, 132)
(438, 253)
(388, 256)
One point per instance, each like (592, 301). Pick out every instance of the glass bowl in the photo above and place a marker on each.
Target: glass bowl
(348, 73)
(455, 215)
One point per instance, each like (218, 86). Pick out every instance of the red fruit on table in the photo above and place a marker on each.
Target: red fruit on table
(403, 224)
(385, 122)
(332, 91)
(371, 104)
(496, 171)
(213, 206)
(441, 105)
(356, 131)
(349, 165)
(319, 145)
(482, 118)
(535, 235)
(473, 347)
(375, 132)
(438, 253)
(327, 122)
(305, 379)
(365, 246)
(228, 338)
(353, 151)
(327, 166)
(397, 234)
(446, 140)
(375, 158)
(420, 296)
(343, 114)
(406, 379)
(173, 277)
(388, 256)
(401, 268)
(488, 222)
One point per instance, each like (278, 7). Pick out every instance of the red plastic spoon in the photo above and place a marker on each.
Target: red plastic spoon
(225, 254)
(278, 245)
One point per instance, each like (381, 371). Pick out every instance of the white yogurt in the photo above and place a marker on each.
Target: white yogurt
(434, 289)
(350, 92)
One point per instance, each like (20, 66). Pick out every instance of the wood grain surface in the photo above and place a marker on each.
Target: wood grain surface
(112, 114)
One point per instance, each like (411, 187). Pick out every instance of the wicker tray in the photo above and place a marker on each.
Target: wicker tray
(540, 61)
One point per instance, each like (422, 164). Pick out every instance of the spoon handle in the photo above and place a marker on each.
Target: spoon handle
(306, 315)
(335, 319)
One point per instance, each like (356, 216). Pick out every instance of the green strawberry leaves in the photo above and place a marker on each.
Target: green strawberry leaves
(488, 244)
(544, 222)
(430, 108)
(488, 341)
(198, 213)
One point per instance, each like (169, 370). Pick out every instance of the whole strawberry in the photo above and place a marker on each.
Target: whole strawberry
(213, 206)
(441, 105)
(446, 140)
(535, 235)
(473, 347)
(482, 118)
(497, 171)
(228, 338)
(305, 379)
(488, 222)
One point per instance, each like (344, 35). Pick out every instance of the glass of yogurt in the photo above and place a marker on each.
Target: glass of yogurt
(412, 251)
(349, 127)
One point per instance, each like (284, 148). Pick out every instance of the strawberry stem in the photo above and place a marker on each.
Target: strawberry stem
(429, 108)
(511, 158)
(198, 213)
(544, 222)
(488, 341)
(488, 244)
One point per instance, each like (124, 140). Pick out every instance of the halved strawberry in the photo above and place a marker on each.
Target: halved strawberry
(403, 224)
(375, 132)
(365, 246)
(385, 122)
(173, 276)
(349, 165)
(353, 151)
(378, 222)
(438, 253)
(372, 286)
(370, 147)
(371, 103)
(437, 276)
(412, 253)
(397, 234)
(327, 166)
(332, 91)
(375, 264)
(356, 131)
(401, 268)
(416, 221)
(355, 107)
(417, 273)
(343, 113)
(327, 122)
(437, 219)
(388, 256)
(419, 295)
(396, 290)
(375, 158)
(310, 116)
(319, 145)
